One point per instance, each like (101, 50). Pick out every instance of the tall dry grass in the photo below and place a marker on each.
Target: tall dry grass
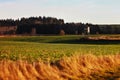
(84, 67)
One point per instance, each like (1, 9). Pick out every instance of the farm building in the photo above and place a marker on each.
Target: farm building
(7, 30)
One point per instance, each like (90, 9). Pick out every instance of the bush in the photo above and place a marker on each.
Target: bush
(62, 32)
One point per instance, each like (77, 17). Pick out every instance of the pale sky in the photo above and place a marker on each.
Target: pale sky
(91, 11)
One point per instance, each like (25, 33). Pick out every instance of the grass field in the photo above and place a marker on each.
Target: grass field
(59, 58)
(51, 47)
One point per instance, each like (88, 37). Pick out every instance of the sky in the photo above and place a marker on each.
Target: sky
(86, 11)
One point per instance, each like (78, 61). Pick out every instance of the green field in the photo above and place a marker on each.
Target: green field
(52, 48)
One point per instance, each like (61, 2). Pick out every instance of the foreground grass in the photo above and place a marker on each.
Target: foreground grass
(79, 67)
(58, 58)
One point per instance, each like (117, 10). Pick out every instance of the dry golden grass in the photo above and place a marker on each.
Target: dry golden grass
(84, 67)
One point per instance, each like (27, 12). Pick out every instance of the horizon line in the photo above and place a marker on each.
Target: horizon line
(64, 20)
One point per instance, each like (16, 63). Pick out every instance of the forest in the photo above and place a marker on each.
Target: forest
(54, 26)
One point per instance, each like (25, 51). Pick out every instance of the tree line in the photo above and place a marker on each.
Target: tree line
(50, 25)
